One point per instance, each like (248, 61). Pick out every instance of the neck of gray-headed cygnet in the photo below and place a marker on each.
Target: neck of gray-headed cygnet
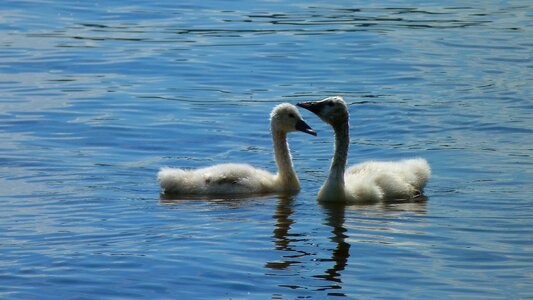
(342, 142)
(286, 174)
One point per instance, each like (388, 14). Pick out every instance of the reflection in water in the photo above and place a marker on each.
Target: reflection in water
(335, 217)
(282, 236)
(90, 95)
(231, 200)
(416, 206)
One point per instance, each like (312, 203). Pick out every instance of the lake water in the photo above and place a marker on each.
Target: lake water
(96, 96)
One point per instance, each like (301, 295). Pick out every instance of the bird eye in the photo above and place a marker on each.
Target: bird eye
(291, 115)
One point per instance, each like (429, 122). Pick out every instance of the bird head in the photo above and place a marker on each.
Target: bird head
(286, 117)
(332, 110)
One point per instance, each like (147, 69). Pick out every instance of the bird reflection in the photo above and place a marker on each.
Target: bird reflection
(282, 236)
(335, 217)
(231, 200)
(417, 205)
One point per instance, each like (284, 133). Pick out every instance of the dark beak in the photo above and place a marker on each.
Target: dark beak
(312, 106)
(303, 127)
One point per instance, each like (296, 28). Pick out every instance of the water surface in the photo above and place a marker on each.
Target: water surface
(95, 97)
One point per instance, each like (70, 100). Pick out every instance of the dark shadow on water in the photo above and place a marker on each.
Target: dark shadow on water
(233, 200)
(416, 205)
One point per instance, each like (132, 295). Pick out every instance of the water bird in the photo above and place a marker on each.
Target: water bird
(238, 178)
(368, 181)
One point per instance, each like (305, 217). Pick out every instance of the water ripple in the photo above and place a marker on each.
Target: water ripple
(96, 97)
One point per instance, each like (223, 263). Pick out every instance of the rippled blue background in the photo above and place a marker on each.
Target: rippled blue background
(96, 96)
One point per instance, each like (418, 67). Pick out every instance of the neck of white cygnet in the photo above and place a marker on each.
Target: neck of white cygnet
(342, 142)
(286, 175)
(333, 188)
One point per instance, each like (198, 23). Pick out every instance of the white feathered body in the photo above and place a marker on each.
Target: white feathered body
(369, 181)
(223, 179)
(239, 179)
(386, 180)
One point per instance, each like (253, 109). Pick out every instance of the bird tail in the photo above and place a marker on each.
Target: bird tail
(171, 179)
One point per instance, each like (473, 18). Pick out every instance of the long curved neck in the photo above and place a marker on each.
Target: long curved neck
(286, 174)
(342, 142)
(333, 188)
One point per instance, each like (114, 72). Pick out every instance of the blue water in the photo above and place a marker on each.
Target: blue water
(96, 96)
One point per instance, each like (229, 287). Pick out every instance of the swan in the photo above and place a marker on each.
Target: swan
(237, 178)
(369, 181)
